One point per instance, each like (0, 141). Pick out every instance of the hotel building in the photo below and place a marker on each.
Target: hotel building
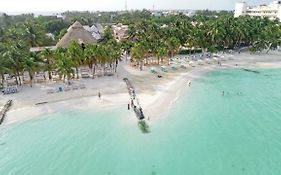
(271, 11)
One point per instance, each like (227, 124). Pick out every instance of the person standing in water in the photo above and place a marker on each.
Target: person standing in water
(189, 83)
(222, 93)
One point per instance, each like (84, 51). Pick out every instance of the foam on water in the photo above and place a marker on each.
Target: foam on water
(205, 133)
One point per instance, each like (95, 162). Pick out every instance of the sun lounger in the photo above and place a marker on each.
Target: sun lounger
(75, 87)
(173, 67)
(40, 80)
(191, 64)
(85, 75)
(50, 91)
(163, 68)
(67, 88)
(152, 70)
(183, 66)
(82, 86)
(199, 62)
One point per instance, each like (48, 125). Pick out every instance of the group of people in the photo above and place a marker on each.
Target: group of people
(10, 90)
(238, 93)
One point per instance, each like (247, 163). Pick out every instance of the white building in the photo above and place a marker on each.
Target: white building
(272, 10)
(119, 31)
(95, 30)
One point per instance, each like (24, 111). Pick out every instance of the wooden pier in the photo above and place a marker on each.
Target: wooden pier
(134, 100)
(5, 110)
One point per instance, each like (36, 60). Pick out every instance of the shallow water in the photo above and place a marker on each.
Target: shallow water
(205, 133)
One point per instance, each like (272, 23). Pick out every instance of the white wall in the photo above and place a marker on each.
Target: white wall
(240, 9)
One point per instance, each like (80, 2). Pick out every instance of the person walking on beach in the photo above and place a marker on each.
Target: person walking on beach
(99, 95)
(189, 83)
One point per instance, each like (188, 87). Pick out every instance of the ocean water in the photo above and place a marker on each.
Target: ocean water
(205, 133)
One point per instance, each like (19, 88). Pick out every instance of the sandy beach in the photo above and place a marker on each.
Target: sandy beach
(153, 93)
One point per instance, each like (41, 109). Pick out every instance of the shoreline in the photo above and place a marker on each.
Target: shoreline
(160, 94)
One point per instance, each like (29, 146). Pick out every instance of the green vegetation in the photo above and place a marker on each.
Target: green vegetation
(148, 36)
(201, 33)
(16, 58)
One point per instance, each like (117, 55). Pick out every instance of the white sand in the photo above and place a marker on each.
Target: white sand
(155, 95)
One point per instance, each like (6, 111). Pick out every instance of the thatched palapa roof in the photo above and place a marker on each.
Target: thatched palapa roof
(76, 32)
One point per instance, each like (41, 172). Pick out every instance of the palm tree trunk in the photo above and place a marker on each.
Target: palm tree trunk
(77, 72)
(18, 75)
(50, 75)
(140, 63)
(115, 67)
(94, 71)
(268, 48)
(31, 78)
(2, 80)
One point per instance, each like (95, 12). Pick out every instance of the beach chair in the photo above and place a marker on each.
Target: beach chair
(50, 91)
(82, 86)
(191, 63)
(152, 70)
(174, 67)
(98, 72)
(67, 88)
(163, 68)
(75, 87)
(85, 73)
(199, 62)
(183, 66)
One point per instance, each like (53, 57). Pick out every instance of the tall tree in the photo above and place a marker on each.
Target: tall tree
(75, 53)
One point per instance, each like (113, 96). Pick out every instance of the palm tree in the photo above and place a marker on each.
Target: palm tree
(4, 67)
(137, 53)
(90, 57)
(161, 52)
(103, 55)
(30, 65)
(64, 66)
(75, 53)
(115, 51)
(47, 56)
(15, 54)
(33, 33)
(173, 46)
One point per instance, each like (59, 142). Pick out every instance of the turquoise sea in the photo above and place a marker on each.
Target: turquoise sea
(205, 133)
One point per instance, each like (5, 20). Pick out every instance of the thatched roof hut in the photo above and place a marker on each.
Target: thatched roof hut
(76, 32)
